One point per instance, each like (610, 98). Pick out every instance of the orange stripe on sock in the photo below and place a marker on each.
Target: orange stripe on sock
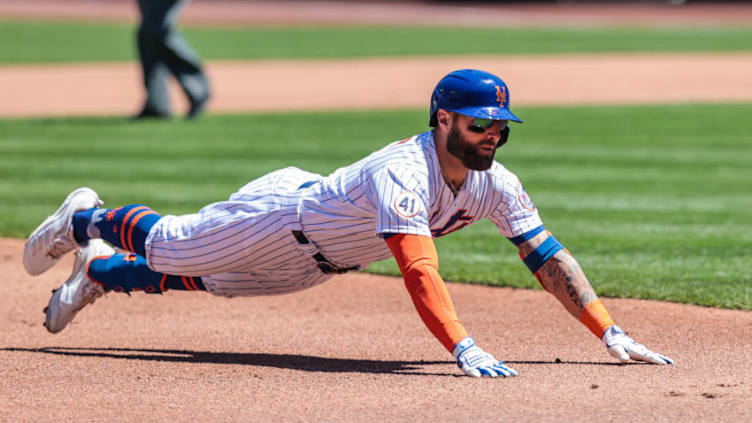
(195, 288)
(162, 282)
(132, 225)
(122, 226)
(89, 265)
(185, 282)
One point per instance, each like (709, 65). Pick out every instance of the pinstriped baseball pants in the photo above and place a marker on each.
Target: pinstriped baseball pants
(240, 247)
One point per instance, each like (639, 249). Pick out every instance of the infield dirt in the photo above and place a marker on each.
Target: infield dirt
(354, 349)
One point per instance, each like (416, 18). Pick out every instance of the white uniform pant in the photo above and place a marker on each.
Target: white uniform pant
(241, 247)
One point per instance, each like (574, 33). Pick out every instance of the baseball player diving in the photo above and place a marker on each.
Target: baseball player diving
(291, 229)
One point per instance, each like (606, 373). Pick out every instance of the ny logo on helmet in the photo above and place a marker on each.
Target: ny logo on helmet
(501, 95)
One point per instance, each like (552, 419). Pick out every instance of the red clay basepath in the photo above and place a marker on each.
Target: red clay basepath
(354, 349)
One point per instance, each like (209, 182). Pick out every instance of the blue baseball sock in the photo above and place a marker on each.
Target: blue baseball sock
(124, 227)
(129, 272)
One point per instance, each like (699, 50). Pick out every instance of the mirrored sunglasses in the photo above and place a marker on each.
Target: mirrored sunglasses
(480, 125)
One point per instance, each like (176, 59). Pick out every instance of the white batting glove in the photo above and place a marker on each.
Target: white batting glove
(477, 363)
(625, 348)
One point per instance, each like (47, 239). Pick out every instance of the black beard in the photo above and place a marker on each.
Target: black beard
(466, 152)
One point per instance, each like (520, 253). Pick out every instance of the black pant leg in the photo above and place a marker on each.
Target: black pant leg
(166, 49)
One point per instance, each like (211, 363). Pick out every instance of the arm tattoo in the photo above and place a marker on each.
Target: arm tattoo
(573, 293)
(562, 276)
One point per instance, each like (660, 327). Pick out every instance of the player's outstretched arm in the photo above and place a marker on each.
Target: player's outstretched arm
(419, 264)
(561, 275)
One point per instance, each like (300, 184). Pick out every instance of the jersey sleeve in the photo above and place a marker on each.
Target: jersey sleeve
(515, 214)
(399, 195)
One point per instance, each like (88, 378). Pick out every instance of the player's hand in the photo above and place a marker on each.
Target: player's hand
(625, 348)
(477, 363)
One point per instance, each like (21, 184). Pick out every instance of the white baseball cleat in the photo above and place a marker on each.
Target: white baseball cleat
(78, 291)
(54, 237)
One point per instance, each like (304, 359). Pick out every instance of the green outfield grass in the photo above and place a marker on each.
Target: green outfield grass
(653, 201)
(45, 41)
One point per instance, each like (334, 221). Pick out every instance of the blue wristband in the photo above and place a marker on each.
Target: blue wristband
(542, 253)
(519, 239)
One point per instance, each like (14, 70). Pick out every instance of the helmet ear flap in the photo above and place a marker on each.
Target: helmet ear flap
(504, 137)
(436, 98)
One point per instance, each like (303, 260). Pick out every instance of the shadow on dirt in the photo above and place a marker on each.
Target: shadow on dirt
(281, 361)
(304, 363)
(580, 363)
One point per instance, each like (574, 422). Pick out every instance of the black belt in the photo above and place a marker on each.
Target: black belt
(323, 264)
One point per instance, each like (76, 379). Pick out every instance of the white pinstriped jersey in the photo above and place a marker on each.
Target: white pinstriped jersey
(245, 246)
(400, 189)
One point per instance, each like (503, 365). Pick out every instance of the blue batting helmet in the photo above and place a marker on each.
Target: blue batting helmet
(473, 93)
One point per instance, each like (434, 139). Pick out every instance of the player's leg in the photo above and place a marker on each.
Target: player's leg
(241, 234)
(245, 234)
(221, 237)
(124, 227)
(79, 219)
(98, 269)
(129, 272)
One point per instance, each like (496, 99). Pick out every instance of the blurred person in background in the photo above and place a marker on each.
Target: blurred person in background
(164, 51)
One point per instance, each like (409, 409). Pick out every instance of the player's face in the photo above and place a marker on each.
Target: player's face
(474, 141)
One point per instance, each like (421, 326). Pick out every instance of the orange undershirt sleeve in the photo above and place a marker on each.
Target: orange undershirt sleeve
(596, 318)
(419, 263)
